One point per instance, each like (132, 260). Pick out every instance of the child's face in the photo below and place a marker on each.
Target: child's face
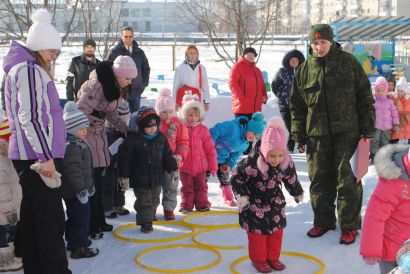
(381, 91)
(391, 86)
(81, 133)
(251, 136)
(275, 157)
(166, 115)
(150, 130)
(192, 115)
(401, 93)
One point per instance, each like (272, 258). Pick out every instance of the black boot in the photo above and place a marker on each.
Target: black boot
(146, 228)
(106, 227)
(84, 252)
(97, 235)
(87, 244)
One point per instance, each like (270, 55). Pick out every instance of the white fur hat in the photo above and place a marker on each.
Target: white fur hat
(191, 101)
(402, 85)
(42, 34)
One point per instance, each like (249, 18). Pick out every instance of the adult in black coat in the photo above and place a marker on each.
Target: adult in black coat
(128, 46)
(80, 69)
(281, 86)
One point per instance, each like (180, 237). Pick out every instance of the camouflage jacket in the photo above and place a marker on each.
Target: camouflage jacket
(331, 95)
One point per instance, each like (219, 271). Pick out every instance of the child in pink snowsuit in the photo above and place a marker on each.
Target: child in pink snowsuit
(387, 219)
(178, 139)
(387, 117)
(201, 157)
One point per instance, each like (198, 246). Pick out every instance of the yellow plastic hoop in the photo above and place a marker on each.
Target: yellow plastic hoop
(289, 253)
(199, 214)
(162, 240)
(182, 270)
(195, 235)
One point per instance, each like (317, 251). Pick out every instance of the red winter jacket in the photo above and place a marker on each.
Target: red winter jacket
(247, 87)
(178, 137)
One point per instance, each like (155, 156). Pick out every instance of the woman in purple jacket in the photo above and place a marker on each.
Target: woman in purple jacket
(37, 135)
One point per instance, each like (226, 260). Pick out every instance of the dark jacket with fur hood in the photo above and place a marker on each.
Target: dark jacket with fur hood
(99, 98)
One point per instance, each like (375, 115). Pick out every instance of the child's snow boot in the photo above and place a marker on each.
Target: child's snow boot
(228, 195)
(169, 215)
(146, 228)
(277, 265)
(348, 236)
(262, 267)
(83, 252)
(8, 261)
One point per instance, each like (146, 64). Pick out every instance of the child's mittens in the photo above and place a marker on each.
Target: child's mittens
(370, 261)
(124, 183)
(51, 182)
(82, 196)
(224, 168)
(396, 128)
(178, 158)
(213, 173)
(299, 199)
(243, 201)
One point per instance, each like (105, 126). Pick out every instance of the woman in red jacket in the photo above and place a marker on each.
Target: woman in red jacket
(247, 85)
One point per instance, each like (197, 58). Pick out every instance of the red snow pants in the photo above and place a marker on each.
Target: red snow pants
(194, 191)
(263, 248)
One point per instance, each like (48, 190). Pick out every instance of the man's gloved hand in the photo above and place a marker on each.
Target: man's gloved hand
(243, 201)
(82, 196)
(124, 183)
(12, 218)
(224, 168)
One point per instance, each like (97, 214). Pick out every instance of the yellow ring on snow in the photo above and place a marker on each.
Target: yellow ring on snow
(289, 253)
(162, 240)
(182, 270)
(195, 235)
(199, 214)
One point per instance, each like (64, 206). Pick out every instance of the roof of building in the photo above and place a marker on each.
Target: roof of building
(370, 28)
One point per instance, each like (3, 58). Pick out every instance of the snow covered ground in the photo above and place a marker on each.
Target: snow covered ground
(118, 256)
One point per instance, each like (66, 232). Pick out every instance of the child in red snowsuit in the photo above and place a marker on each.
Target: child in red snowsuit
(257, 184)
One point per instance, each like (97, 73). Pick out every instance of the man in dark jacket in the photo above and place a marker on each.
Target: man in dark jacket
(80, 69)
(331, 105)
(282, 84)
(128, 46)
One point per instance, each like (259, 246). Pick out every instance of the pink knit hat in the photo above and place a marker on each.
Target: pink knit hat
(274, 136)
(381, 82)
(164, 101)
(124, 67)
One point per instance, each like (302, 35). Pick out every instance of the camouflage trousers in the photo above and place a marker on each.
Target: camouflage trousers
(332, 180)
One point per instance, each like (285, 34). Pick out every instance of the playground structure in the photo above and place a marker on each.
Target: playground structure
(379, 43)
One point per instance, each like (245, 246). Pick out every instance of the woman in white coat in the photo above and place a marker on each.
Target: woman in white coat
(190, 76)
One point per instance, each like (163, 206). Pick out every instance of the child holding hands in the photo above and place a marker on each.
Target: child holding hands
(178, 139)
(257, 184)
(200, 159)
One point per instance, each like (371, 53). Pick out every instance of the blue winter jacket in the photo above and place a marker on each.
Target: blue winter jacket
(229, 138)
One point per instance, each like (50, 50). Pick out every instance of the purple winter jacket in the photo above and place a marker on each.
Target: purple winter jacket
(33, 108)
(386, 113)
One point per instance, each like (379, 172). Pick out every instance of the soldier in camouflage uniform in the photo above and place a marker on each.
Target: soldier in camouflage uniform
(331, 106)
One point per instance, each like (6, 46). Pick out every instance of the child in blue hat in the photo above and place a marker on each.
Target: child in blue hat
(231, 139)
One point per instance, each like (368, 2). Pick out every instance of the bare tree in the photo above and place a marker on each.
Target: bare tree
(15, 17)
(248, 21)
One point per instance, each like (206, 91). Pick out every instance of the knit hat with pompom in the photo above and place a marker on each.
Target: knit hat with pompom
(74, 118)
(257, 123)
(381, 82)
(42, 34)
(164, 101)
(274, 136)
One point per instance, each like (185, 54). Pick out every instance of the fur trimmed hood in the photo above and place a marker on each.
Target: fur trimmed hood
(389, 162)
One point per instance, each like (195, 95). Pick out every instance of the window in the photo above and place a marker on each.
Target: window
(135, 25)
(135, 12)
(146, 12)
(147, 25)
(124, 13)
